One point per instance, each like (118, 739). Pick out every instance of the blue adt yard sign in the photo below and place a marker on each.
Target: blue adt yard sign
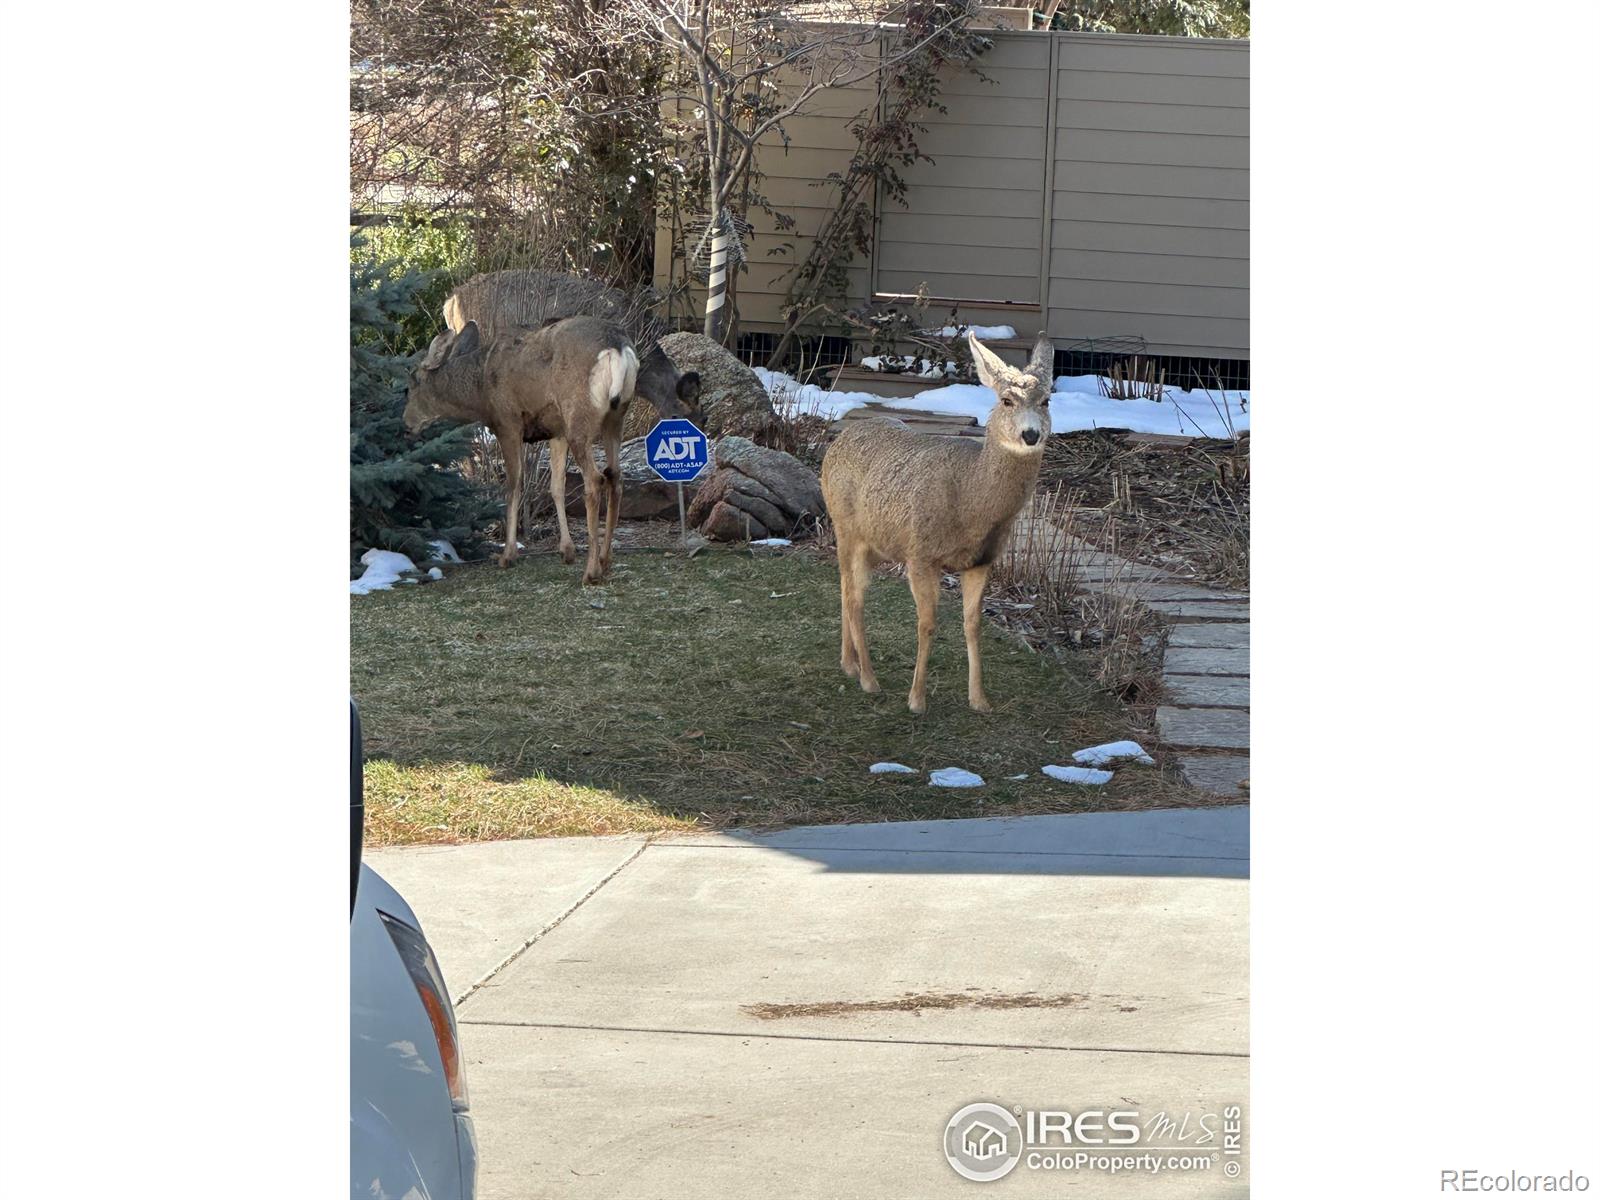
(676, 450)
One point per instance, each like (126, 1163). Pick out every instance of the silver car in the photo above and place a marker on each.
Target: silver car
(411, 1137)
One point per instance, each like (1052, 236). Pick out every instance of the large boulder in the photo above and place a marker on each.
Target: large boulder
(755, 492)
(731, 396)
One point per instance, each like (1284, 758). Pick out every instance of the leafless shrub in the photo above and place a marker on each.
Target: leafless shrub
(1134, 379)
(1055, 587)
(487, 464)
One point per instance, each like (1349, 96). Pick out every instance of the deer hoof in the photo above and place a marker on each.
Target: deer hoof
(918, 705)
(507, 557)
(869, 684)
(569, 555)
(981, 704)
(850, 669)
(594, 575)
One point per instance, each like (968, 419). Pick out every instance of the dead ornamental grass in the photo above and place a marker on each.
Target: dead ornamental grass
(698, 693)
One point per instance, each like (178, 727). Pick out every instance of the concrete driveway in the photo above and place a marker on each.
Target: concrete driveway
(801, 1014)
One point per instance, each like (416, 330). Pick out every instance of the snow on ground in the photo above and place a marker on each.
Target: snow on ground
(805, 400)
(771, 541)
(888, 768)
(995, 332)
(382, 573)
(443, 551)
(1075, 403)
(897, 364)
(954, 777)
(1078, 774)
(1099, 756)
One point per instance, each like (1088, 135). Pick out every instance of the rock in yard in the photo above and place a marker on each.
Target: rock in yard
(731, 396)
(754, 493)
(644, 495)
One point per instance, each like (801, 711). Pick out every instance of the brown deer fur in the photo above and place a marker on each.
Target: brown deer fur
(935, 504)
(569, 383)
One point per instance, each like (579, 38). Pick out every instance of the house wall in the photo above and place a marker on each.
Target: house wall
(1097, 187)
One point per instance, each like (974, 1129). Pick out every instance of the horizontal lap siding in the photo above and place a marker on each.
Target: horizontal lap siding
(972, 225)
(1150, 192)
(792, 179)
(1143, 178)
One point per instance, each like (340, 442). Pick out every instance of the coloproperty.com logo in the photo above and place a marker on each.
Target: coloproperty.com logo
(987, 1141)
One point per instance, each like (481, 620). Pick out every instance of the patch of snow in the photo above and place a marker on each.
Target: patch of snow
(443, 551)
(1016, 777)
(984, 332)
(954, 777)
(1078, 774)
(384, 568)
(1077, 404)
(888, 768)
(435, 573)
(1099, 756)
(805, 400)
(771, 541)
(900, 364)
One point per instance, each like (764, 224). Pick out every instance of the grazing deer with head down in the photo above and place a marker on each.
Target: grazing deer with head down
(935, 504)
(568, 383)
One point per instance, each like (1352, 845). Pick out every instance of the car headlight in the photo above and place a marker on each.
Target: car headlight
(423, 968)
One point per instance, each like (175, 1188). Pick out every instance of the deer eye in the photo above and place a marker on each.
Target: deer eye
(1008, 401)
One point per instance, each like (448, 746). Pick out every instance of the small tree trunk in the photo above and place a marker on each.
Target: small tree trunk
(717, 290)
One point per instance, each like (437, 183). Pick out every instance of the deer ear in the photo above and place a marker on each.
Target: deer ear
(437, 349)
(991, 367)
(466, 341)
(1043, 363)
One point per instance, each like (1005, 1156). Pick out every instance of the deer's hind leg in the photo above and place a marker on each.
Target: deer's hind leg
(558, 493)
(847, 641)
(592, 570)
(612, 444)
(853, 594)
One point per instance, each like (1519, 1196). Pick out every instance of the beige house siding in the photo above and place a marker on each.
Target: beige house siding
(1098, 186)
(1150, 193)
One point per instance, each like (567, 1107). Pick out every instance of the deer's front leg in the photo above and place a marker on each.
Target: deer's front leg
(511, 449)
(924, 580)
(972, 584)
(558, 494)
(593, 572)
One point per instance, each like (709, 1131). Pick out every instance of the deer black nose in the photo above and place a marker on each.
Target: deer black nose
(1030, 436)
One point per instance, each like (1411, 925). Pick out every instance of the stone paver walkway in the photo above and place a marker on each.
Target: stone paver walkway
(1206, 668)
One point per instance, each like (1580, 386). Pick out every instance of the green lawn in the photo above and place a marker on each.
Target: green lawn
(695, 693)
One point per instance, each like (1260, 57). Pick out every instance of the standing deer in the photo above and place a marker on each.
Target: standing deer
(935, 504)
(568, 383)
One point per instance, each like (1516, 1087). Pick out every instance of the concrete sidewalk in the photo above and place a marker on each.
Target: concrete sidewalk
(800, 1014)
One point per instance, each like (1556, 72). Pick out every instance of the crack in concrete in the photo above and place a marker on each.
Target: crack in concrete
(878, 1041)
(581, 901)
